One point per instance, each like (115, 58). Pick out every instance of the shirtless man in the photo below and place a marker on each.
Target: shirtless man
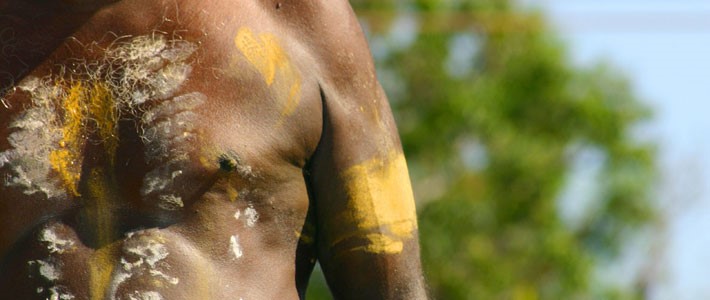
(197, 149)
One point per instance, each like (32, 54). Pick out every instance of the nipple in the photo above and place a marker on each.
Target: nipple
(231, 162)
(226, 163)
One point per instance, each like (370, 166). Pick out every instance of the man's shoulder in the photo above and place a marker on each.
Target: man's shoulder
(322, 25)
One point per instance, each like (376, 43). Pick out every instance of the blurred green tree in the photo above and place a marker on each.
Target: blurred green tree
(495, 120)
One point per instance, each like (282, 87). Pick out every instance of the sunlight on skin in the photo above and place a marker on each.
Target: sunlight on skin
(203, 271)
(267, 56)
(381, 205)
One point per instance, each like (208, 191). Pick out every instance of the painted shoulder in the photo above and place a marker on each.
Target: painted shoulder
(339, 47)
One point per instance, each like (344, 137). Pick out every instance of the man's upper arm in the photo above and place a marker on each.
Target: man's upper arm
(366, 219)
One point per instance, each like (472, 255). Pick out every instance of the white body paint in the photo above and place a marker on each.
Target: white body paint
(170, 202)
(35, 134)
(235, 247)
(55, 244)
(154, 71)
(50, 270)
(51, 273)
(47, 270)
(150, 68)
(251, 216)
(144, 255)
(149, 252)
(169, 134)
(59, 293)
(245, 171)
(153, 68)
(152, 295)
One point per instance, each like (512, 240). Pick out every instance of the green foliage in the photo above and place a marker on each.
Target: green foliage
(499, 139)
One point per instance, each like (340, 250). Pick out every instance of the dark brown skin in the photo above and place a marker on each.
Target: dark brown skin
(297, 159)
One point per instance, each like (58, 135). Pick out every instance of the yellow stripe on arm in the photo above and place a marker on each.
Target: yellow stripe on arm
(380, 206)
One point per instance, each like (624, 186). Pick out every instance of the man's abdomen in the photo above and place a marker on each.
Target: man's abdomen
(144, 264)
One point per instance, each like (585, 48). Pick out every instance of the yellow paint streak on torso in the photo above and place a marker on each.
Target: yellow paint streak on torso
(98, 217)
(99, 197)
(66, 160)
(98, 203)
(104, 111)
(232, 192)
(294, 97)
(101, 266)
(381, 204)
(267, 56)
(84, 102)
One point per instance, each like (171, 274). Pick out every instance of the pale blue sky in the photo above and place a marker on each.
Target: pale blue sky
(664, 47)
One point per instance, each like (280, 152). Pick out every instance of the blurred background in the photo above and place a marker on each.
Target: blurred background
(558, 149)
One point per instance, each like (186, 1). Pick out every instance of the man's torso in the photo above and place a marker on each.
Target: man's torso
(156, 152)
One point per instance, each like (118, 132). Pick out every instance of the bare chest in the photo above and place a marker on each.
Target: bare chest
(128, 112)
(155, 130)
(163, 100)
(197, 134)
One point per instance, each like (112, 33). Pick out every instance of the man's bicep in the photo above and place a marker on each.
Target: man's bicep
(367, 228)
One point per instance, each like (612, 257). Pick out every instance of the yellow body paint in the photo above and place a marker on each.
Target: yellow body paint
(103, 109)
(267, 56)
(65, 160)
(232, 192)
(380, 243)
(98, 197)
(69, 113)
(101, 267)
(81, 104)
(98, 201)
(381, 204)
